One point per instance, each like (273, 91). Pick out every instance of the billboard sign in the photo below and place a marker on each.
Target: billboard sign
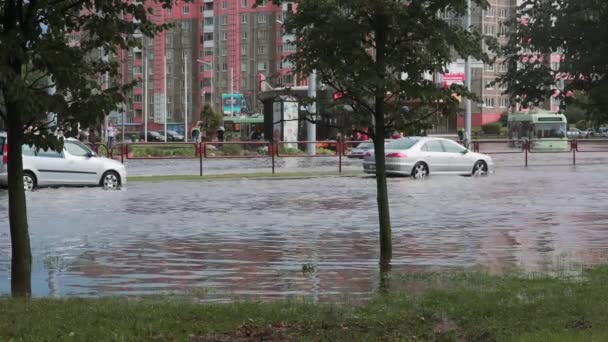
(454, 75)
(234, 101)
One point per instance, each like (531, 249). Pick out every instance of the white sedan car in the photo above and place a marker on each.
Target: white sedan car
(420, 156)
(77, 164)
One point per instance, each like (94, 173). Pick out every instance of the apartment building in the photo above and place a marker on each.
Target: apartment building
(214, 48)
(490, 22)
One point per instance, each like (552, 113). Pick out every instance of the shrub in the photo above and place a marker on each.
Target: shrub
(325, 151)
(582, 124)
(492, 128)
(290, 151)
(232, 149)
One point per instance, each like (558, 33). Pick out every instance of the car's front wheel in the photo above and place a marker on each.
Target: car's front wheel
(110, 180)
(29, 181)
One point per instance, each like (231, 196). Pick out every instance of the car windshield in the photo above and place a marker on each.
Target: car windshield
(401, 144)
(154, 133)
(550, 130)
(77, 148)
(366, 146)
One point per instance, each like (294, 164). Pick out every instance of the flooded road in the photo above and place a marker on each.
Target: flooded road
(251, 238)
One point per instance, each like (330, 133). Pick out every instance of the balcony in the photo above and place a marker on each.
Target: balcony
(208, 28)
(208, 14)
(208, 44)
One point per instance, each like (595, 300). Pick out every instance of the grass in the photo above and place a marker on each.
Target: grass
(259, 175)
(160, 150)
(419, 307)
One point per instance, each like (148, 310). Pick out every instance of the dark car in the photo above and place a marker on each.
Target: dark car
(153, 136)
(172, 135)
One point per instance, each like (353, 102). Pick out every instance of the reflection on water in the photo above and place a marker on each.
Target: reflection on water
(252, 237)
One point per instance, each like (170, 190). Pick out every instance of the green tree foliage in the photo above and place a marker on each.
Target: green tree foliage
(37, 53)
(363, 48)
(211, 120)
(575, 29)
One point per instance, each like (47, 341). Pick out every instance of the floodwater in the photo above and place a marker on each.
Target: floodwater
(251, 238)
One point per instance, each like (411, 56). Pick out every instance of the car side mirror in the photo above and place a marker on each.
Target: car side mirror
(90, 154)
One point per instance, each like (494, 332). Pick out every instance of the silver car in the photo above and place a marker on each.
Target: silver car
(420, 156)
(77, 164)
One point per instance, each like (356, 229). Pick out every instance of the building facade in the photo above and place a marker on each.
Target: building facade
(213, 49)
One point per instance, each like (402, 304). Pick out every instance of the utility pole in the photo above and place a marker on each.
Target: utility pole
(185, 97)
(166, 102)
(467, 115)
(232, 92)
(145, 94)
(311, 127)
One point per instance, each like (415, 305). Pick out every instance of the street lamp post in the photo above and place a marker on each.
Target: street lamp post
(467, 115)
(212, 72)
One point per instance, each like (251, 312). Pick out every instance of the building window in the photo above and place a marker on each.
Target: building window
(244, 18)
(208, 51)
(504, 102)
(490, 67)
(244, 3)
(490, 29)
(491, 12)
(208, 67)
(489, 84)
(224, 52)
(288, 47)
(244, 66)
(244, 82)
(205, 82)
(137, 99)
(201, 9)
(264, 2)
(138, 55)
(169, 54)
(209, 21)
(186, 25)
(503, 12)
(488, 102)
(503, 67)
(287, 79)
(223, 82)
(262, 34)
(208, 36)
(244, 49)
(186, 10)
(168, 10)
(244, 35)
(261, 50)
(224, 35)
(224, 4)
(224, 20)
(262, 18)
(262, 66)
(224, 66)
(169, 39)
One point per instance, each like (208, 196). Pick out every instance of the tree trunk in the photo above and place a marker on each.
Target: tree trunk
(386, 245)
(21, 262)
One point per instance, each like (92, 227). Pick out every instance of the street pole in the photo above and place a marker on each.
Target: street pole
(166, 102)
(185, 98)
(232, 92)
(145, 95)
(467, 115)
(311, 127)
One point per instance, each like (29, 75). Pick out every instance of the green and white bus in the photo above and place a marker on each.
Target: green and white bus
(544, 129)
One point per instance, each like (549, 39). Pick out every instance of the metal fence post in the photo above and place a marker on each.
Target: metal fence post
(200, 157)
(272, 151)
(574, 146)
(123, 149)
(526, 148)
(339, 147)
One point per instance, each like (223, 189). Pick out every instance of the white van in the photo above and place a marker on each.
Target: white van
(77, 164)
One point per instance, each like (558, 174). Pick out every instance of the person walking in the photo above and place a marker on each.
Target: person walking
(110, 133)
(196, 133)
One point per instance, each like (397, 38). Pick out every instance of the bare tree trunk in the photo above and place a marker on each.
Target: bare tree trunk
(386, 245)
(21, 262)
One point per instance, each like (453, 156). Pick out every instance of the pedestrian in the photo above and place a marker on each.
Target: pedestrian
(196, 133)
(220, 134)
(110, 133)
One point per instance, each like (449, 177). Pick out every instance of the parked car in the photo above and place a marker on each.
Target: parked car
(153, 136)
(420, 156)
(360, 150)
(574, 133)
(77, 164)
(172, 135)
